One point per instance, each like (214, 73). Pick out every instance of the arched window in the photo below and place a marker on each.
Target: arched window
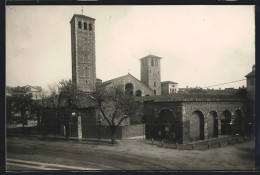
(79, 24)
(152, 62)
(129, 87)
(156, 62)
(85, 26)
(90, 27)
(138, 93)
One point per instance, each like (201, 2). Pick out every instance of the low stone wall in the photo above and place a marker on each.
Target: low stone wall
(133, 131)
(104, 131)
(200, 145)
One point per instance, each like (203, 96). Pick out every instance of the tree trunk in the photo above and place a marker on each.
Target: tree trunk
(113, 134)
(67, 129)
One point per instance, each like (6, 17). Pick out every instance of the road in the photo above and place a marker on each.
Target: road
(36, 154)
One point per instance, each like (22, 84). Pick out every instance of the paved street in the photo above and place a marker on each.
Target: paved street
(32, 153)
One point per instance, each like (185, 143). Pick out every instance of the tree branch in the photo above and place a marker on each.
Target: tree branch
(104, 115)
(121, 121)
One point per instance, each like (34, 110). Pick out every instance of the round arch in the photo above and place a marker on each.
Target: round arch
(238, 122)
(197, 126)
(212, 124)
(167, 125)
(138, 93)
(226, 123)
(129, 88)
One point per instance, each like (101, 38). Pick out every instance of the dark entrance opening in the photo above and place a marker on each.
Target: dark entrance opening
(166, 124)
(225, 123)
(238, 122)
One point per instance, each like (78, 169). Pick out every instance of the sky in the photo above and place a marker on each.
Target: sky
(199, 45)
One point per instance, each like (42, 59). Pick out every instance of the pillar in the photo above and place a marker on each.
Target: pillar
(205, 127)
(79, 129)
(219, 126)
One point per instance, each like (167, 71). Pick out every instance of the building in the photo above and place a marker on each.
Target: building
(180, 117)
(250, 82)
(185, 118)
(36, 91)
(169, 87)
(83, 52)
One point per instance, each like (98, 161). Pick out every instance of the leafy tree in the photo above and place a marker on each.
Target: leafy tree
(115, 106)
(21, 100)
(67, 92)
(10, 117)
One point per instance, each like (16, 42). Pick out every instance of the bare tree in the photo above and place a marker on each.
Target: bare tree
(53, 89)
(115, 106)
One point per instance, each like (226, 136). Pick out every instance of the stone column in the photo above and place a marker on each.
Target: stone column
(185, 126)
(219, 126)
(205, 127)
(79, 129)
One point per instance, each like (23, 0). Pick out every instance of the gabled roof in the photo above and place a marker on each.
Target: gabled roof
(111, 81)
(34, 88)
(150, 56)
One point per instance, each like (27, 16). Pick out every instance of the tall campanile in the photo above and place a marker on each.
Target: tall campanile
(83, 52)
(151, 73)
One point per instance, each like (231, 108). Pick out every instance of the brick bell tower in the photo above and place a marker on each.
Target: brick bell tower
(83, 52)
(151, 73)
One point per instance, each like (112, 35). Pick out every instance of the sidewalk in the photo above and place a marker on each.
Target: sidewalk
(57, 137)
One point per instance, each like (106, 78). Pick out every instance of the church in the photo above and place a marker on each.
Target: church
(182, 118)
(84, 64)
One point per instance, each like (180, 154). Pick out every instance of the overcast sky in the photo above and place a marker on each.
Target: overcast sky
(199, 45)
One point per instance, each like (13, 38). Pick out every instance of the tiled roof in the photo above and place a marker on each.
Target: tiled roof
(251, 74)
(82, 16)
(190, 97)
(150, 56)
